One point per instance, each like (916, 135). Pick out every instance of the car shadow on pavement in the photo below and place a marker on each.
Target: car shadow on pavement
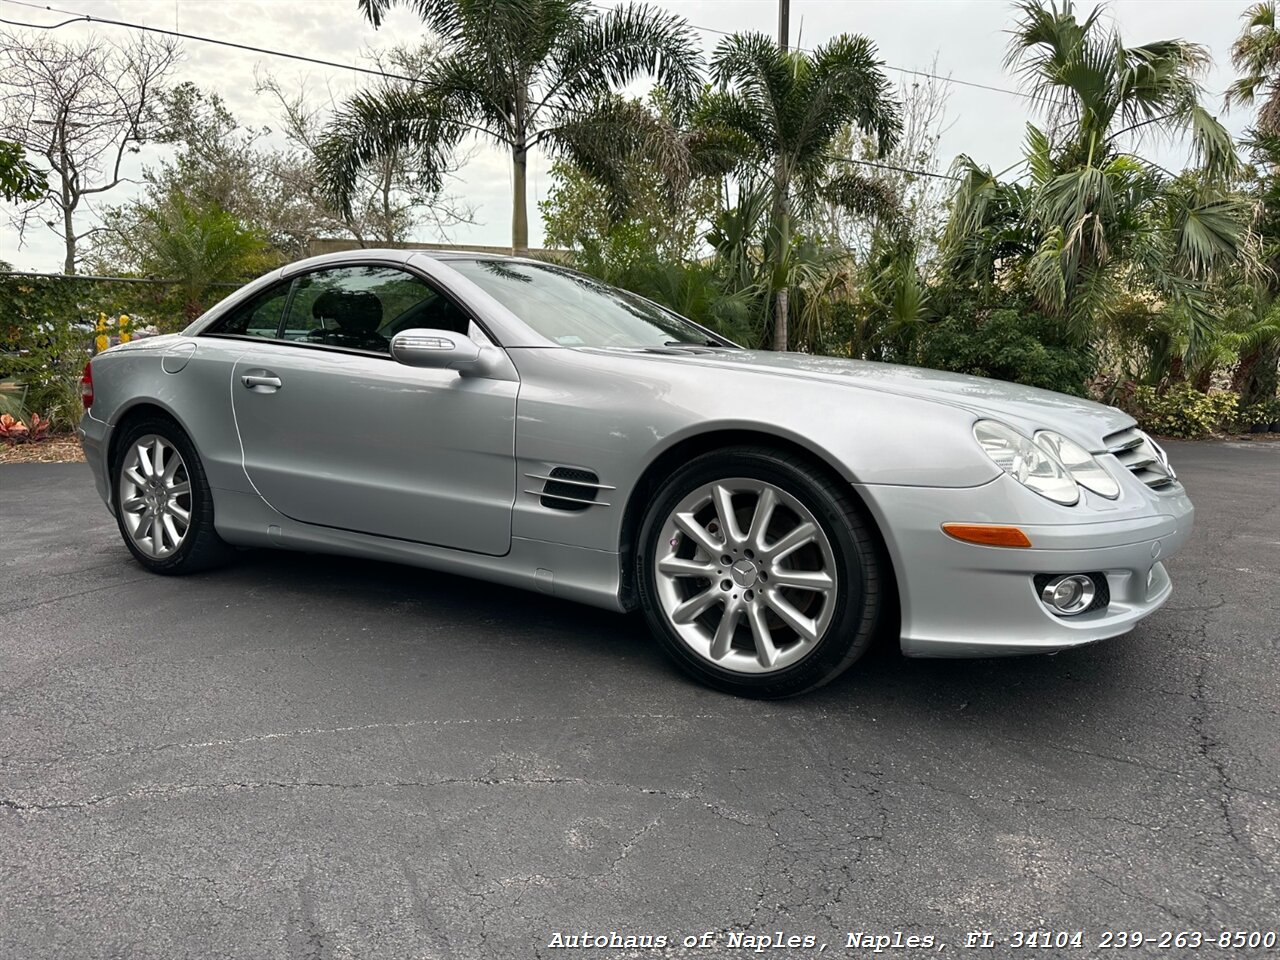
(585, 640)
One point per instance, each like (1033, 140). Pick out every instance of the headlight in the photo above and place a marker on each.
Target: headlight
(1080, 463)
(1031, 465)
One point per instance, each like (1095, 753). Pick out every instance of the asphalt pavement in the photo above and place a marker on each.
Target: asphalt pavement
(312, 757)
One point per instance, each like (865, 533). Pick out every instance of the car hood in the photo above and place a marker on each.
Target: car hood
(1028, 408)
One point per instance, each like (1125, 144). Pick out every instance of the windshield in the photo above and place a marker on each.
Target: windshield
(575, 310)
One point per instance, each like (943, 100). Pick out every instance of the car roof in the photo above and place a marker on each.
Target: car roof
(396, 255)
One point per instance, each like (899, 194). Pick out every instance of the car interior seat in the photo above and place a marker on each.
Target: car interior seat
(356, 315)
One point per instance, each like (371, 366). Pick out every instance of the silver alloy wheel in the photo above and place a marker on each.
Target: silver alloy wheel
(155, 496)
(745, 575)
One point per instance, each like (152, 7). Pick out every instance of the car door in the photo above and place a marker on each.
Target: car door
(335, 432)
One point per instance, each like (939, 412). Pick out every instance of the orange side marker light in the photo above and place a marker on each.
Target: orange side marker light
(987, 534)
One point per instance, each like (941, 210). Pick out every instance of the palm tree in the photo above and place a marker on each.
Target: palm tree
(1256, 54)
(1093, 220)
(524, 73)
(784, 108)
(201, 246)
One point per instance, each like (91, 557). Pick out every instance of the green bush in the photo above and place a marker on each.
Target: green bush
(46, 337)
(1264, 412)
(1183, 411)
(1013, 343)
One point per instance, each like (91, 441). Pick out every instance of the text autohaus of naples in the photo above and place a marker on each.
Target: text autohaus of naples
(736, 940)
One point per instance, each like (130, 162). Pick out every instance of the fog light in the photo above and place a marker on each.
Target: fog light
(1069, 595)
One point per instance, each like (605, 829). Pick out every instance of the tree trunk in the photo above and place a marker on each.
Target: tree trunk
(388, 232)
(782, 248)
(780, 319)
(519, 212)
(1244, 370)
(69, 265)
(1204, 379)
(68, 231)
(68, 203)
(1255, 375)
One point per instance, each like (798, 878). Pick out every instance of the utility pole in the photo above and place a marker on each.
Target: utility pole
(781, 217)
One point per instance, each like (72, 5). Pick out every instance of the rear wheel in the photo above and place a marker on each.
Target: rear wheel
(758, 573)
(163, 504)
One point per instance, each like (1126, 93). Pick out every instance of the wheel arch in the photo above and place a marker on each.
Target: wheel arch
(671, 457)
(137, 410)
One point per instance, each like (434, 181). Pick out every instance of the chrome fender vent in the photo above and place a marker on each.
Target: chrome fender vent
(569, 488)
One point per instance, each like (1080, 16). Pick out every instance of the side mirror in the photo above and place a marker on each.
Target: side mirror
(439, 349)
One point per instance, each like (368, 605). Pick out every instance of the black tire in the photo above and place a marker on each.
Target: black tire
(852, 626)
(201, 547)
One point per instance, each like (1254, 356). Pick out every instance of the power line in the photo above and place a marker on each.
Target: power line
(90, 278)
(392, 76)
(890, 166)
(85, 18)
(906, 70)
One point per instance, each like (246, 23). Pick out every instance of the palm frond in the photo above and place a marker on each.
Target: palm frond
(760, 79)
(608, 51)
(376, 126)
(1213, 146)
(846, 85)
(441, 16)
(1209, 232)
(870, 197)
(1038, 153)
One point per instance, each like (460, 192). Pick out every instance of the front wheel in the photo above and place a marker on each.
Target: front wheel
(164, 506)
(758, 573)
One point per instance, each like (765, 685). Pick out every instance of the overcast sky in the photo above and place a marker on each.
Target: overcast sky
(966, 37)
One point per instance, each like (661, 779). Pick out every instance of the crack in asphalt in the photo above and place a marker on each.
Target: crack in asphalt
(138, 749)
(170, 791)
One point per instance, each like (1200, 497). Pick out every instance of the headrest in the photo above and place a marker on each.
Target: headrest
(355, 311)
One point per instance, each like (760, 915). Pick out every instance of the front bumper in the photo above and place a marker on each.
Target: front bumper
(963, 600)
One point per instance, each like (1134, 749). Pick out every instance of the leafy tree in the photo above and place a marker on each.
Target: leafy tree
(1093, 220)
(912, 174)
(644, 197)
(1014, 342)
(523, 73)
(1256, 54)
(82, 108)
(200, 247)
(576, 216)
(392, 194)
(219, 164)
(19, 179)
(783, 110)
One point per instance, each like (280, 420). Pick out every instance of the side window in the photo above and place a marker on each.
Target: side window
(362, 308)
(260, 317)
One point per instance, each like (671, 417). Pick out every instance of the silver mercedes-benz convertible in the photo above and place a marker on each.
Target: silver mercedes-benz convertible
(517, 421)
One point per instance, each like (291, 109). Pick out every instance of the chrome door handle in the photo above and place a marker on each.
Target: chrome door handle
(251, 381)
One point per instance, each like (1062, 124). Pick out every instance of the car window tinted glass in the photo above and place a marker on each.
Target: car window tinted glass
(260, 317)
(575, 310)
(361, 308)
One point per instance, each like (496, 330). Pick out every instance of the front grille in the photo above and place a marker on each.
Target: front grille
(1142, 457)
